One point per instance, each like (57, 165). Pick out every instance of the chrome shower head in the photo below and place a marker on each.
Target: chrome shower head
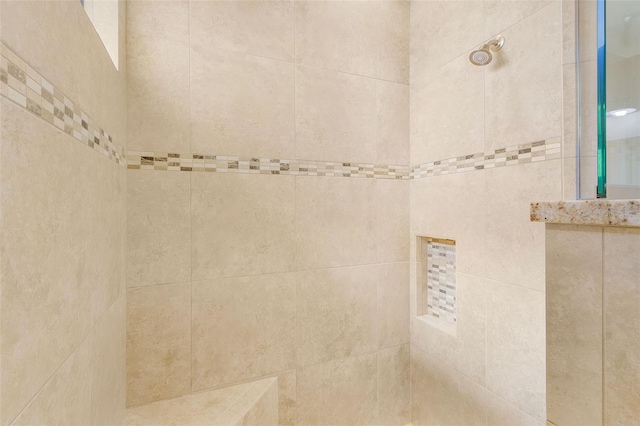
(482, 56)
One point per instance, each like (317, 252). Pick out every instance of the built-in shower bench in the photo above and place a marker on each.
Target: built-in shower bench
(248, 404)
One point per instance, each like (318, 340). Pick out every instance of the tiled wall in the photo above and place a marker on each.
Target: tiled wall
(63, 224)
(269, 265)
(492, 371)
(593, 312)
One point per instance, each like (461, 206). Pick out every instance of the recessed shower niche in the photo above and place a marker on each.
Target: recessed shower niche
(436, 282)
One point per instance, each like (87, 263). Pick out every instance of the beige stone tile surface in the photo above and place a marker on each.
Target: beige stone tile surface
(574, 324)
(393, 123)
(336, 114)
(158, 227)
(335, 222)
(241, 225)
(157, 94)
(393, 41)
(515, 111)
(242, 328)
(166, 19)
(349, 397)
(261, 28)
(393, 304)
(336, 313)
(516, 346)
(394, 386)
(502, 14)
(622, 325)
(392, 220)
(158, 342)
(240, 104)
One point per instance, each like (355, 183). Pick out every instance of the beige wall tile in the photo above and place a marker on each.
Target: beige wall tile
(394, 386)
(392, 220)
(158, 227)
(59, 297)
(348, 397)
(166, 19)
(393, 304)
(458, 25)
(574, 324)
(501, 413)
(158, 342)
(502, 14)
(336, 115)
(393, 123)
(515, 346)
(453, 206)
(336, 314)
(241, 225)
(243, 328)
(588, 108)
(241, 104)
(622, 325)
(341, 36)
(514, 245)
(442, 396)
(261, 28)
(393, 41)
(519, 107)
(335, 222)
(265, 410)
(466, 350)
(157, 94)
(588, 18)
(569, 111)
(449, 112)
(287, 398)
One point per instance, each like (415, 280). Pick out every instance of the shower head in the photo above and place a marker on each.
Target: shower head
(482, 56)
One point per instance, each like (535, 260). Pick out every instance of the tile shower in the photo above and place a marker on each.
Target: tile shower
(231, 214)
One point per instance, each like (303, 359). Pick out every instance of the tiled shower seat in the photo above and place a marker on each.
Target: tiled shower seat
(248, 404)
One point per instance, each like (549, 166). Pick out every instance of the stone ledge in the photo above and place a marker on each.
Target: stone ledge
(624, 213)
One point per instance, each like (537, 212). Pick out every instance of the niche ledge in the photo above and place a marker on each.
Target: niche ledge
(624, 213)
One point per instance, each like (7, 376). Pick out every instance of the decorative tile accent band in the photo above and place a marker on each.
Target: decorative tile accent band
(25, 87)
(441, 281)
(518, 154)
(510, 156)
(270, 166)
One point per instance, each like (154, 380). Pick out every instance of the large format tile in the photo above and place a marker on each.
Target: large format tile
(448, 112)
(442, 396)
(261, 28)
(622, 326)
(241, 225)
(394, 386)
(452, 206)
(392, 220)
(167, 19)
(335, 222)
(338, 392)
(341, 35)
(501, 413)
(574, 324)
(393, 123)
(466, 350)
(157, 94)
(502, 14)
(243, 328)
(515, 245)
(393, 304)
(56, 222)
(336, 116)
(522, 107)
(240, 104)
(158, 342)
(336, 313)
(441, 31)
(393, 41)
(158, 227)
(516, 346)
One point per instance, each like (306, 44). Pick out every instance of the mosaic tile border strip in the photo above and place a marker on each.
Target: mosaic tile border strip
(441, 281)
(510, 156)
(270, 166)
(25, 87)
(514, 155)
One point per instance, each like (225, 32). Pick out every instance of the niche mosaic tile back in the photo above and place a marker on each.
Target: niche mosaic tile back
(441, 280)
